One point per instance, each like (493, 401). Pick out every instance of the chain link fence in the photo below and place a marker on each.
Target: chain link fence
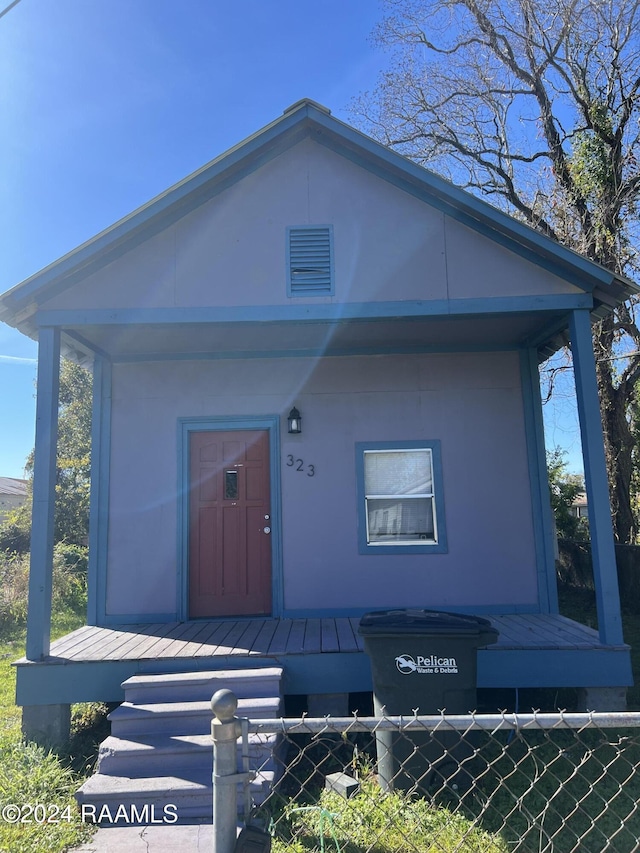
(536, 783)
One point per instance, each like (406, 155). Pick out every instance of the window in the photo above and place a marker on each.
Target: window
(401, 506)
(310, 261)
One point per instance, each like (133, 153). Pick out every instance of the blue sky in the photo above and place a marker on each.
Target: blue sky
(106, 103)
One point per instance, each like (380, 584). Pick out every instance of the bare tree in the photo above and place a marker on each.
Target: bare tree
(537, 106)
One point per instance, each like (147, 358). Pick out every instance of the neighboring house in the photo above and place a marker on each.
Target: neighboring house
(311, 269)
(579, 506)
(13, 493)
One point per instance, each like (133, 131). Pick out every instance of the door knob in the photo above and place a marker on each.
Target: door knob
(267, 530)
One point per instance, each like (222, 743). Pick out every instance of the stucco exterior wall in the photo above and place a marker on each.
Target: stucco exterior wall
(471, 402)
(388, 246)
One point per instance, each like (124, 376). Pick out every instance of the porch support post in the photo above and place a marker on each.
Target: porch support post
(540, 498)
(44, 485)
(99, 501)
(605, 574)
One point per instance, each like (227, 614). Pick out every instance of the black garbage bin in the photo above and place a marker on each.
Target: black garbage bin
(424, 661)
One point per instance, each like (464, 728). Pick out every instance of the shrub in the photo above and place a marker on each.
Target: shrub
(70, 577)
(14, 588)
(69, 583)
(564, 489)
(15, 530)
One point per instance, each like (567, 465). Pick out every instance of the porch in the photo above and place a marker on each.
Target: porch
(318, 655)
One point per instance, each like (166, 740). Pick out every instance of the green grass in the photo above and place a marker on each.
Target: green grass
(380, 823)
(30, 774)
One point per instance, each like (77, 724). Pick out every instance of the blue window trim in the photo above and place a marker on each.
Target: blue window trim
(301, 292)
(439, 547)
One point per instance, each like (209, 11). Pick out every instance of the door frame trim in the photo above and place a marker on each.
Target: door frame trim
(187, 425)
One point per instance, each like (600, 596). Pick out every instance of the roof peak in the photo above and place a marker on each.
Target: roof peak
(306, 102)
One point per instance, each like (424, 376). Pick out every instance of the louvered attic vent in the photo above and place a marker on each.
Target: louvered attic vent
(310, 261)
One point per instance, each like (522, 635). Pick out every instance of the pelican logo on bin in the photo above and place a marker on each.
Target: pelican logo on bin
(430, 665)
(406, 663)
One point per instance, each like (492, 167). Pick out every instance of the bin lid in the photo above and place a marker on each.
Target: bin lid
(416, 621)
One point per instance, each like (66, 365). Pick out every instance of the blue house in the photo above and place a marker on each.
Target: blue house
(316, 394)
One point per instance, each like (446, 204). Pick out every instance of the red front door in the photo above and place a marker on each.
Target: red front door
(229, 524)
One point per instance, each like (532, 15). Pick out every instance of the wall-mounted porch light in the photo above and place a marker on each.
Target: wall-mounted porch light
(294, 421)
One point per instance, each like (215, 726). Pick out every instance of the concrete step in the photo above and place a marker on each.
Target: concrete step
(181, 717)
(157, 797)
(200, 686)
(122, 757)
(160, 753)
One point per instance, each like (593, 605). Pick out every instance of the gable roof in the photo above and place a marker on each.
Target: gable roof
(12, 486)
(308, 119)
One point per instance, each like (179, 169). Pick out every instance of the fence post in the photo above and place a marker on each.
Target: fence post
(225, 730)
(384, 751)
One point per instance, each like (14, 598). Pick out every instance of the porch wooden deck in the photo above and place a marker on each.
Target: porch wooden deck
(318, 655)
(210, 639)
(274, 637)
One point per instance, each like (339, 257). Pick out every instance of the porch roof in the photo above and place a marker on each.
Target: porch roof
(351, 329)
(20, 306)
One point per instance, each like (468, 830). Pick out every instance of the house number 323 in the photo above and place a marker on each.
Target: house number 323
(300, 465)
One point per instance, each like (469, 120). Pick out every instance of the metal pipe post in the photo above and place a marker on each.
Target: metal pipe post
(384, 751)
(225, 730)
